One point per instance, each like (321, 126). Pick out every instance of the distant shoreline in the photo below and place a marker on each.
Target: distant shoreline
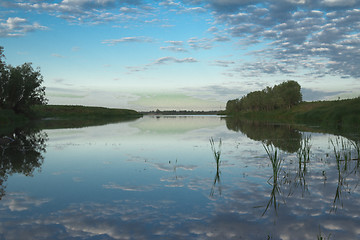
(337, 114)
(328, 114)
(181, 112)
(67, 115)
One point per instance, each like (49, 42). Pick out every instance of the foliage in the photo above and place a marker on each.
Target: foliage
(20, 87)
(282, 96)
(337, 117)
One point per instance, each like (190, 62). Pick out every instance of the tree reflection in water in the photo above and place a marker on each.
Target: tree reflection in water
(23, 154)
(281, 136)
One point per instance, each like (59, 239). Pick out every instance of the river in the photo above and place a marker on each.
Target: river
(179, 177)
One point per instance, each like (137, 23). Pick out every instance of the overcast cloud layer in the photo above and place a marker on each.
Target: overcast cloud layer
(295, 39)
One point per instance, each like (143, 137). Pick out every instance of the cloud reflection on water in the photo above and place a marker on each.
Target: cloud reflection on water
(170, 199)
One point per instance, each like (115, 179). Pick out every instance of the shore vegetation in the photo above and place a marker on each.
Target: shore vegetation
(337, 114)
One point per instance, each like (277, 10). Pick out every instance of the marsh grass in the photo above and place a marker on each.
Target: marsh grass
(321, 236)
(273, 154)
(304, 151)
(356, 145)
(217, 153)
(343, 149)
(274, 157)
(303, 155)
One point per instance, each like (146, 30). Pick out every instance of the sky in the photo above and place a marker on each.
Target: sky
(183, 54)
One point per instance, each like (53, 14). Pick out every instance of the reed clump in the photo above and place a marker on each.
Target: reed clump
(217, 154)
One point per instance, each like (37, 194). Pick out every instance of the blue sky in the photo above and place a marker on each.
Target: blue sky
(188, 54)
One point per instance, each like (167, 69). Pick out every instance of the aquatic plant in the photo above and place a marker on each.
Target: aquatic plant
(356, 145)
(304, 151)
(217, 154)
(276, 161)
(342, 151)
(321, 237)
(303, 155)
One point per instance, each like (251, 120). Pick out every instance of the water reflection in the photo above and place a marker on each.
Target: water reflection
(21, 152)
(345, 165)
(285, 137)
(139, 181)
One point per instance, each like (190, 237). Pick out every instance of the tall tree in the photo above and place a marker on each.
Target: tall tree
(20, 87)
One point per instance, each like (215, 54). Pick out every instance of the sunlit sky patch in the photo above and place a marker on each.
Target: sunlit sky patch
(112, 52)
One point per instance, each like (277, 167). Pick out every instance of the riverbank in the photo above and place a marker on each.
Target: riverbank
(341, 114)
(67, 116)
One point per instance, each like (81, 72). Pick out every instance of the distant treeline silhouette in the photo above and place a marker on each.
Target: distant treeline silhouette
(282, 96)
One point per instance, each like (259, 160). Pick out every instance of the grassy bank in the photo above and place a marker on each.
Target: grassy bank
(343, 114)
(53, 116)
(61, 116)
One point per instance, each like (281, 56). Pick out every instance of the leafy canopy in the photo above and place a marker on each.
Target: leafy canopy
(282, 96)
(20, 86)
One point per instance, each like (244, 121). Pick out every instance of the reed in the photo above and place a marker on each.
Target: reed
(321, 237)
(276, 161)
(342, 151)
(217, 154)
(304, 151)
(303, 155)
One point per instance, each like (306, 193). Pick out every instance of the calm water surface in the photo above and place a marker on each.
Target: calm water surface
(161, 178)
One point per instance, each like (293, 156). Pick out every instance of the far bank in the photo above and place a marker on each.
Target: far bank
(339, 114)
(67, 115)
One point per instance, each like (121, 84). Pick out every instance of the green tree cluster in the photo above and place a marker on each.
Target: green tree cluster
(20, 86)
(282, 96)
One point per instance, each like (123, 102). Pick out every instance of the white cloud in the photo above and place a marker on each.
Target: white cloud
(16, 26)
(300, 32)
(112, 42)
(174, 49)
(164, 60)
(21, 202)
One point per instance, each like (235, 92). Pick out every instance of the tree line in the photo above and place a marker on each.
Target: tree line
(282, 96)
(20, 86)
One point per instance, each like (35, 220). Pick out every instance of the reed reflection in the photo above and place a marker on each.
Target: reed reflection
(274, 156)
(21, 152)
(346, 166)
(303, 155)
(217, 153)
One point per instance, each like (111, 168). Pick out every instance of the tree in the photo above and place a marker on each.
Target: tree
(284, 95)
(20, 87)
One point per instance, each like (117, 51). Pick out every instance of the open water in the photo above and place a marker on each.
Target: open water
(180, 177)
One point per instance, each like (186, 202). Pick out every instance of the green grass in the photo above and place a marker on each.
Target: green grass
(330, 113)
(81, 112)
(341, 115)
(61, 116)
